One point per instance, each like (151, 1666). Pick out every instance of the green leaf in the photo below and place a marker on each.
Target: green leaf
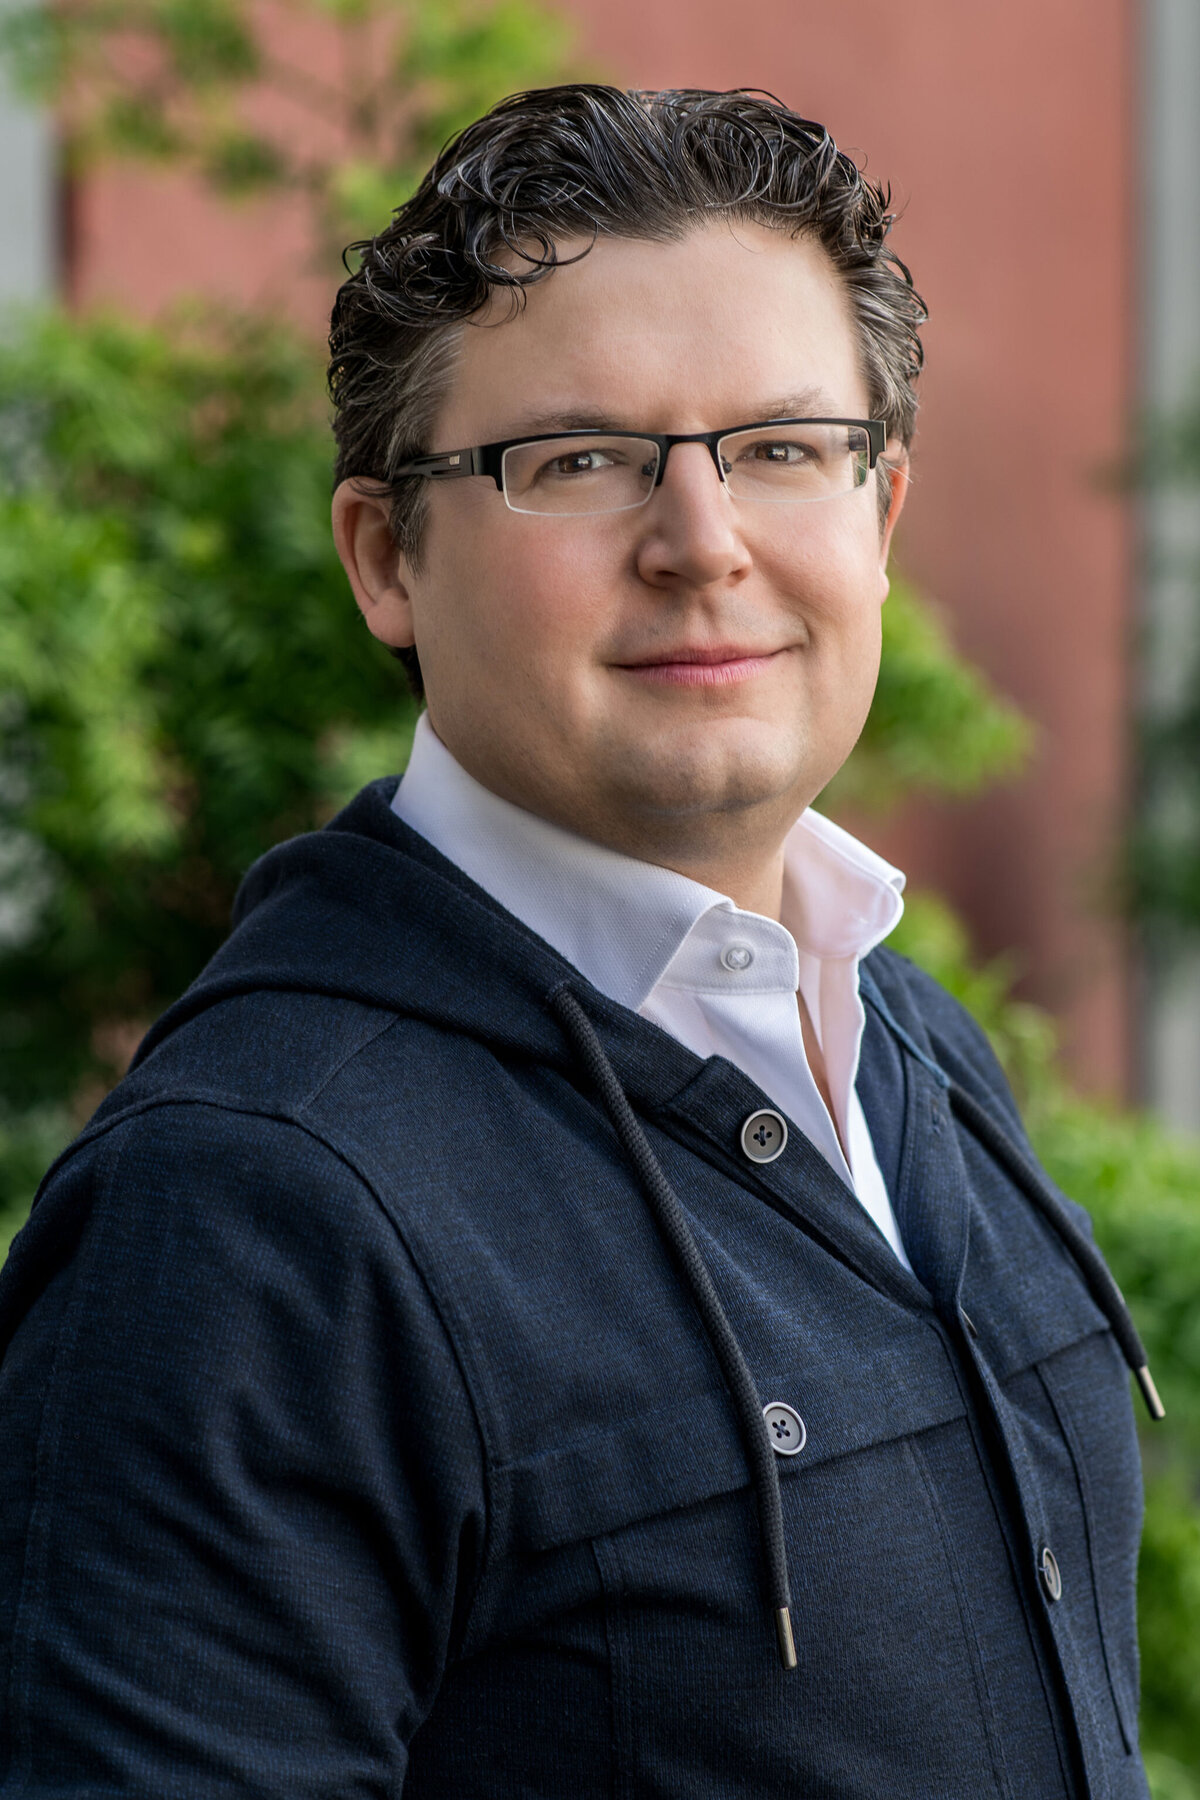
(209, 41)
(464, 56)
(352, 756)
(936, 724)
(28, 1143)
(362, 196)
(138, 125)
(240, 163)
(37, 47)
(1169, 1780)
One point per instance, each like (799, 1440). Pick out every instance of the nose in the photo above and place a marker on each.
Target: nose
(691, 531)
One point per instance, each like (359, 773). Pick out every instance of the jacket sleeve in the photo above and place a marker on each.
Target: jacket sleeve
(242, 1504)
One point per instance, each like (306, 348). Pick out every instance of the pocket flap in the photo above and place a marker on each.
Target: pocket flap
(677, 1455)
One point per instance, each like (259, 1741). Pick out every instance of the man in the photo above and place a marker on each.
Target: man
(557, 1307)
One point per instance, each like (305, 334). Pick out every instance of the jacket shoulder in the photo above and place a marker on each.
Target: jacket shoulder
(260, 1052)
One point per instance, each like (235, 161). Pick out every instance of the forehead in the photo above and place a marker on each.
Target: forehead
(704, 331)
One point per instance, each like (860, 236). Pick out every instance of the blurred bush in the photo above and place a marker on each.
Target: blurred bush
(184, 677)
(935, 725)
(1163, 865)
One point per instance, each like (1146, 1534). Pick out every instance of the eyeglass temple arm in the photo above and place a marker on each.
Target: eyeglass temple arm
(452, 465)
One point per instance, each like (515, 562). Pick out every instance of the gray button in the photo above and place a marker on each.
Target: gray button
(785, 1428)
(737, 957)
(763, 1136)
(1049, 1573)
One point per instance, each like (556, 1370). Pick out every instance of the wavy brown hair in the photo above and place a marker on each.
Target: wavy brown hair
(589, 161)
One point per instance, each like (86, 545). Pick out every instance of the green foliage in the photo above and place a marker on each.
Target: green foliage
(1169, 1780)
(1163, 870)
(191, 82)
(1142, 1188)
(936, 724)
(184, 676)
(1169, 1621)
(29, 1142)
(1163, 863)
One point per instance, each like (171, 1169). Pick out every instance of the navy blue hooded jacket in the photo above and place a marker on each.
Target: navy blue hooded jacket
(368, 1426)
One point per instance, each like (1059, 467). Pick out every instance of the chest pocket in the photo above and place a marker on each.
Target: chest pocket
(683, 1448)
(860, 1372)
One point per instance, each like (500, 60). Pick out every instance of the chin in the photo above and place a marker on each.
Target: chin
(711, 772)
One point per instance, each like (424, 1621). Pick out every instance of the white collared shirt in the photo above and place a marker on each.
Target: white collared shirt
(720, 980)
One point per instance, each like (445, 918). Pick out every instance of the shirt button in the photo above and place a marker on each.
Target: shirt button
(763, 1136)
(736, 957)
(785, 1428)
(1049, 1573)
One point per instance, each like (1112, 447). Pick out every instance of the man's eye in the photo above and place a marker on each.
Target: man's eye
(578, 462)
(784, 452)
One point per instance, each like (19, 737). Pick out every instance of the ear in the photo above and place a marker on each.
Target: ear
(374, 567)
(892, 467)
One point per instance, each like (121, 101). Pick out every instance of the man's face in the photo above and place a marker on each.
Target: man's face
(697, 668)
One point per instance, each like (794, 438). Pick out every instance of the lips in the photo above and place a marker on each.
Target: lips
(719, 665)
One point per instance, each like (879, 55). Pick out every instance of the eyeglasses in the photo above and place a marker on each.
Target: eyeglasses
(571, 473)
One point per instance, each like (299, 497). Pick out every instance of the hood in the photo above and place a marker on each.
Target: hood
(367, 910)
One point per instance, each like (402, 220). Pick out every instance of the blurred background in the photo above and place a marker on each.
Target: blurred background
(183, 680)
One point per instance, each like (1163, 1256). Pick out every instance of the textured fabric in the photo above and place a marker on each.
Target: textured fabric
(361, 1437)
(659, 944)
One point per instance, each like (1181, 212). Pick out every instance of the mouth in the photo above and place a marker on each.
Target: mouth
(717, 665)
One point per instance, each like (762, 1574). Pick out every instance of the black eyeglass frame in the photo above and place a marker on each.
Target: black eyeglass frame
(488, 459)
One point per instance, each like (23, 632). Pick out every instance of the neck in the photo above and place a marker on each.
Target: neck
(747, 865)
(753, 884)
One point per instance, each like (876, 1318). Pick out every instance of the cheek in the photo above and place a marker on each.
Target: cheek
(508, 597)
(828, 560)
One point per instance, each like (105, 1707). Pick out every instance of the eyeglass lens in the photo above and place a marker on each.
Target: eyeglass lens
(612, 474)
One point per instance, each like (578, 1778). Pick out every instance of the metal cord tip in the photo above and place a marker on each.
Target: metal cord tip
(783, 1632)
(1145, 1381)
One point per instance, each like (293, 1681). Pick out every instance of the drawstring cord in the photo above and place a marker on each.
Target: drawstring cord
(1028, 1176)
(672, 1223)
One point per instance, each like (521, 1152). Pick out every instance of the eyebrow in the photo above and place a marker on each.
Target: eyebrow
(576, 419)
(810, 402)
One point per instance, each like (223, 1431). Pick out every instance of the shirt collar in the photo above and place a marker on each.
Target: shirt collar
(619, 921)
